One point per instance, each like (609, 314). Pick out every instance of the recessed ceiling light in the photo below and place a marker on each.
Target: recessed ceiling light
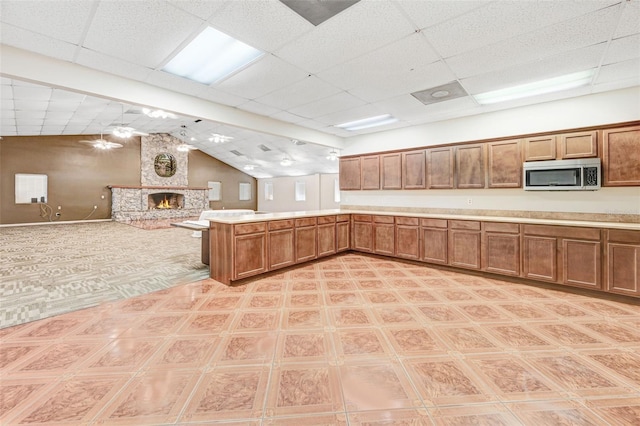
(286, 161)
(158, 113)
(555, 84)
(211, 56)
(216, 138)
(365, 123)
(441, 93)
(249, 167)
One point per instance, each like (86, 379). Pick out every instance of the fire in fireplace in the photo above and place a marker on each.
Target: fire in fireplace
(166, 201)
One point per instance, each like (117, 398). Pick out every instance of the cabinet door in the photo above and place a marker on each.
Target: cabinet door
(581, 263)
(440, 168)
(540, 148)
(281, 249)
(391, 173)
(371, 172)
(621, 156)
(363, 236)
(470, 166)
(384, 239)
(623, 268)
(505, 164)
(342, 236)
(349, 174)
(326, 239)
(434, 245)
(413, 170)
(306, 244)
(408, 238)
(464, 248)
(250, 254)
(501, 253)
(579, 145)
(540, 261)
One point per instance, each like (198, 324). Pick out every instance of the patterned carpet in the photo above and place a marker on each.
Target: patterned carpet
(49, 270)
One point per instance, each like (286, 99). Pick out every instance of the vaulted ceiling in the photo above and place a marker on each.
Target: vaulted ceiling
(364, 61)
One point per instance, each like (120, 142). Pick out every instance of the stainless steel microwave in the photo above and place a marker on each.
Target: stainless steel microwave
(562, 175)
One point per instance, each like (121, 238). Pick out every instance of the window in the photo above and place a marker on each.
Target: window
(215, 191)
(301, 191)
(336, 190)
(245, 192)
(31, 188)
(268, 191)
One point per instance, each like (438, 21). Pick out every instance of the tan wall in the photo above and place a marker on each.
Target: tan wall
(78, 176)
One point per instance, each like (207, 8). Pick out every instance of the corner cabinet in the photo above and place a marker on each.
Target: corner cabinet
(349, 173)
(621, 156)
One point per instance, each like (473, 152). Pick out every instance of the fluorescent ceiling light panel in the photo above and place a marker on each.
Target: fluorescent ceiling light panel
(211, 56)
(555, 84)
(365, 123)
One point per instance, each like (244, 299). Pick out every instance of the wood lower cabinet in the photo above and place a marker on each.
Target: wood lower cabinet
(370, 172)
(621, 156)
(343, 231)
(281, 244)
(384, 241)
(470, 167)
(413, 170)
(501, 248)
(326, 235)
(306, 239)
(249, 250)
(434, 242)
(464, 244)
(504, 169)
(349, 173)
(581, 263)
(540, 260)
(440, 168)
(362, 233)
(391, 171)
(622, 266)
(408, 237)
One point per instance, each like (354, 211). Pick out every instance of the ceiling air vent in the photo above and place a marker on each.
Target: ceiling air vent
(440, 93)
(264, 148)
(318, 11)
(238, 153)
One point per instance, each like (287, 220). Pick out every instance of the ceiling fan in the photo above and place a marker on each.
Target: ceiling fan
(126, 132)
(101, 143)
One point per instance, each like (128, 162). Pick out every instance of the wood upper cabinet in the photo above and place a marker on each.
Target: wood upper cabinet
(621, 156)
(408, 237)
(413, 170)
(540, 148)
(306, 239)
(440, 166)
(362, 236)
(504, 164)
(470, 169)
(501, 248)
(578, 145)
(391, 171)
(371, 172)
(343, 228)
(384, 241)
(434, 242)
(281, 244)
(622, 271)
(349, 173)
(326, 235)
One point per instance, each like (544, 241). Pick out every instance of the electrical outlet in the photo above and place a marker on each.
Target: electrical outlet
(469, 201)
(58, 214)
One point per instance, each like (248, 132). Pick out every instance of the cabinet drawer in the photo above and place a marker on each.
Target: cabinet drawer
(563, 231)
(250, 228)
(307, 221)
(326, 219)
(433, 223)
(383, 219)
(623, 236)
(511, 228)
(280, 224)
(464, 224)
(362, 218)
(411, 221)
(343, 218)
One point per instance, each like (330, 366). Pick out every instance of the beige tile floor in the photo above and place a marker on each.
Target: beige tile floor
(351, 340)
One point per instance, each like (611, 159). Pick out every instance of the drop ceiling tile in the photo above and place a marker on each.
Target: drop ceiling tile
(7, 111)
(627, 70)
(258, 108)
(352, 114)
(623, 49)
(28, 40)
(568, 62)
(443, 111)
(112, 65)
(203, 9)
(308, 90)
(402, 106)
(51, 129)
(218, 96)
(267, 74)
(338, 102)
(503, 20)
(29, 106)
(58, 115)
(287, 116)
(157, 27)
(60, 95)
(8, 130)
(266, 25)
(406, 59)
(29, 130)
(435, 74)
(73, 130)
(577, 33)
(175, 83)
(629, 19)
(62, 20)
(428, 13)
(363, 27)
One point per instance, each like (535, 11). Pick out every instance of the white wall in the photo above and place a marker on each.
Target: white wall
(604, 108)
(319, 193)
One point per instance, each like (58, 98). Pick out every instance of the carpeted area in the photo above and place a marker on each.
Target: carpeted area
(52, 269)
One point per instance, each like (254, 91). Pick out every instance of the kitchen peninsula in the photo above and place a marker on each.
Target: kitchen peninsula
(602, 256)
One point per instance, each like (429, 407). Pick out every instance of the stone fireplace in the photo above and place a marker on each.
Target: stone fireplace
(159, 197)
